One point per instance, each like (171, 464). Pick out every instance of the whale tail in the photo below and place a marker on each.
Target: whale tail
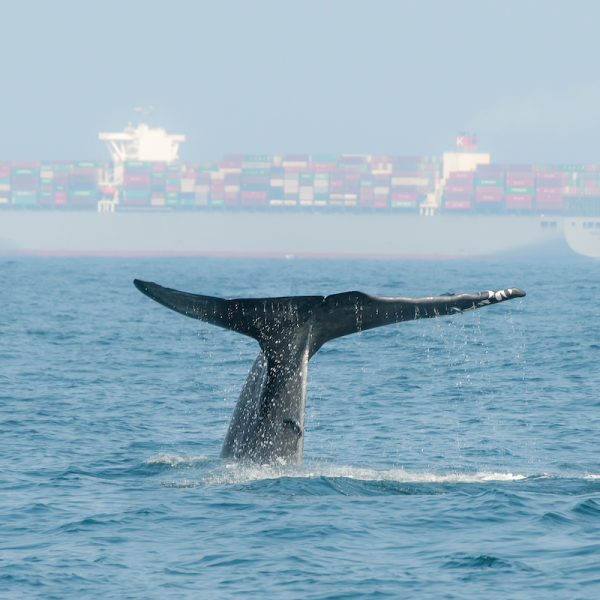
(268, 420)
(269, 320)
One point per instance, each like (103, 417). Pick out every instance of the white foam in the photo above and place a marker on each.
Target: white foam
(239, 473)
(173, 460)
(590, 476)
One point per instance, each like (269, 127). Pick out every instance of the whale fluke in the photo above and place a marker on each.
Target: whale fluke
(268, 420)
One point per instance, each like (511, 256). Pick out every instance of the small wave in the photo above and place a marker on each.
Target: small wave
(173, 460)
(591, 476)
(240, 473)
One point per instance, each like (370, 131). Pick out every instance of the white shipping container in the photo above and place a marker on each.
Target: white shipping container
(382, 190)
(202, 189)
(188, 185)
(350, 196)
(292, 163)
(4, 187)
(232, 188)
(3, 200)
(290, 176)
(157, 201)
(421, 181)
(215, 175)
(47, 174)
(276, 182)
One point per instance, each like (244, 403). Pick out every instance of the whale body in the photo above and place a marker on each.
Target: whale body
(268, 420)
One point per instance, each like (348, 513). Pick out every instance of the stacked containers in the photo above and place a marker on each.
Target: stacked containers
(351, 186)
(367, 190)
(187, 197)
(254, 184)
(172, 184)
(136, 183)
(60, 181)
(520, 185)
(413, 177)
(5, 174)
(381, 190)
(83, 184)
(306, 186)
(46, 185)
(321, 165)
(276, 186)
(202, 189)
(458, 191)
(489, 188)
(158, 184)
(336, 187)
(549, 190)
(291, 185)
(25, 183)
(232, 187)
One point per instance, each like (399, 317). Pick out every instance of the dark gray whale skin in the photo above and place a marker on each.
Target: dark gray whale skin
(268, 421)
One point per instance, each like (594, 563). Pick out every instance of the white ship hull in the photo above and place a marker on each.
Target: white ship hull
(275, 234)
(583, 235)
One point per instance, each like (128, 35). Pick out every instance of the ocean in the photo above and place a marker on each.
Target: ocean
(443, 458)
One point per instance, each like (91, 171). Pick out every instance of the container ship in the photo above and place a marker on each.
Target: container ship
(351, 205)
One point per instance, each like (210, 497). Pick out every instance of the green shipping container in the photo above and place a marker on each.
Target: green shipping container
(307, 176)
(494, 182)
(136, 193)
(4, 180)
(158, 175)
(519, 190)
(24, 198)
(83, 193)
(25, 171)
(332, 158)
(173, 181)
(322, 176)
(255, 172)
(46, 181)
(88, 164)
(136, 164)
(217, 201)
(572, 168)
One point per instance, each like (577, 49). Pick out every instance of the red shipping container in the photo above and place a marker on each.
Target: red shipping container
(457, 204)
(172, 188)
(254, 196)
(518, 201)
(461, 175)
(158, 167)
(488, 197)
(366, 193)
(366, 201)
(46, 187)
(26, 164)
(60, 197)
(380, 202)
(46, 199)
(458, 189)
(231, 199)
(352, 176)
(549, 191)
(550, 175)
(231, 195)
(322, 167)
(136, 179)
(293, 169)
(404, 196)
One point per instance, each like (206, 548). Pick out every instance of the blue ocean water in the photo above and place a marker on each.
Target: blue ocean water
(445, 458)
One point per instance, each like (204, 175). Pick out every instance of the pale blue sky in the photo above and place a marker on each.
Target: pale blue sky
(381, 77)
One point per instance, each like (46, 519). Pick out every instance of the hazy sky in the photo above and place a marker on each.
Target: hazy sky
(261, 76)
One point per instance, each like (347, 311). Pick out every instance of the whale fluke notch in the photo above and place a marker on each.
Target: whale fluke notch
(268, 420)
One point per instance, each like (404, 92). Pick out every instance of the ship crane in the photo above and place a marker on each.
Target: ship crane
(141, 143)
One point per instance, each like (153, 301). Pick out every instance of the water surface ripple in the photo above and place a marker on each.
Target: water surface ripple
(444, 458)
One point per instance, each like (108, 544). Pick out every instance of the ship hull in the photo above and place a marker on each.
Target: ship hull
(275, 234)
(583, 235)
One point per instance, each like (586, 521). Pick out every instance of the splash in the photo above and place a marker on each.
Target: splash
(174, 461)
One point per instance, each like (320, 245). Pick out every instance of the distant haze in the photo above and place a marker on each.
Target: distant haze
(304, 76)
